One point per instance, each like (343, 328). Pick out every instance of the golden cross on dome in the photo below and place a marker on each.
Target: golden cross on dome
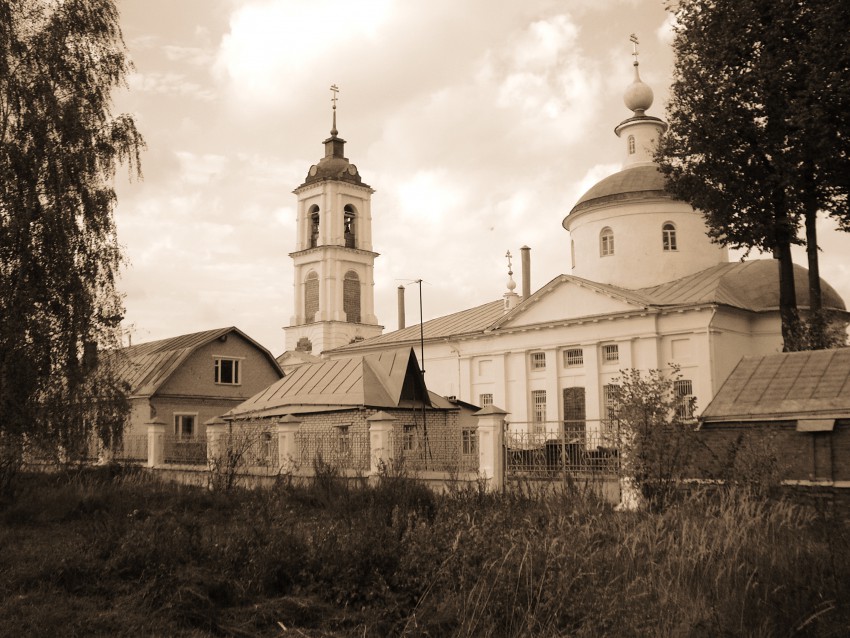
(334, 98)
(510, 266)
(634, 40)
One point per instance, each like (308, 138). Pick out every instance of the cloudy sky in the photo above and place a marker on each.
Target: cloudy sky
(479, 123)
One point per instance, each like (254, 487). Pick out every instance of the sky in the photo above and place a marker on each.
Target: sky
(479, 123)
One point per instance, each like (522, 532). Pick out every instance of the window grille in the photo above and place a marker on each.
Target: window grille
(538, 360)
(611, 353)
(684, 389)
(573, 357)
(538, 409)
(485, 399)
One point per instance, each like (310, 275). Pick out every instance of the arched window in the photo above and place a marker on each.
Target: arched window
(631, 144)
(311, 296)
(668, 236)
(606, 242)
(351, 297)
(348, 220)
(314, 226)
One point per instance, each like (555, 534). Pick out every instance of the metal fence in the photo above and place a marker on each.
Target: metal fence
(438, 450)
(341, 449)
(132, 448)
(551, 449)
(184, 450)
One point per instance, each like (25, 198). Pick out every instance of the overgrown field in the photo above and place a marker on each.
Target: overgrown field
(114, 553)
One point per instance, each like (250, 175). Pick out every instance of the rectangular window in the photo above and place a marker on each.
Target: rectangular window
(408, 439)
(609, 401)
(343, 440)
(538, 360)
(184, 426)
(470, 442)
(684, 389)
(227, 371)
(573, 357)
(485, 399)
(538, 409)
(611, 353)
(574, 409)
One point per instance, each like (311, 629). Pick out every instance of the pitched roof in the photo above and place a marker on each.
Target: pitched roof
(785, 386)
(147, 366)
(750, 285)
(466, 322)
(384, 380)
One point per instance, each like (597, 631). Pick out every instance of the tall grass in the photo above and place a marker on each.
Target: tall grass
(394, 559)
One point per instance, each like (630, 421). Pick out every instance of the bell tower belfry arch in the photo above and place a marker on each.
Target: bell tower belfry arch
(333, 260)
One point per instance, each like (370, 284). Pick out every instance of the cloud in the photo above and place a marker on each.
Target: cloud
(169, 84)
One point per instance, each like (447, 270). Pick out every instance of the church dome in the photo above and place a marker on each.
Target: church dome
(638, 96)
(635, 182)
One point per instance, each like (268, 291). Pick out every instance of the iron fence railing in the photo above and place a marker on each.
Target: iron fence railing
(184, 450)
(342, 450)
(577, 447)
(420, 450)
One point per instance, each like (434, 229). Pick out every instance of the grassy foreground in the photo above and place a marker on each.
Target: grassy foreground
(115, 553)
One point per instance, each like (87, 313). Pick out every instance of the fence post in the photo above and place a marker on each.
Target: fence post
(287, 450)
(491, 445)
(156, 442)
(215, 431)
(381, 427)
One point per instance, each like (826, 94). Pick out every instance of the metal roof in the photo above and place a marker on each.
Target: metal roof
(785, 386)
(635, 181)
(146, 366)
(751, 285)
(384, 380)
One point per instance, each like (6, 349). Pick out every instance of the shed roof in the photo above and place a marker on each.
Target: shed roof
(785, 386)
(147, 366)
(389, 379)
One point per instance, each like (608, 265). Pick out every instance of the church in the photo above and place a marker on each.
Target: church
(646, 289)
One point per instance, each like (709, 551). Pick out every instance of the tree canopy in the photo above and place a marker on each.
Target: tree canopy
(59, 148)
(758, 135)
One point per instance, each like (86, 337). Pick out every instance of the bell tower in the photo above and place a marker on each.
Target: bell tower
(333, 258)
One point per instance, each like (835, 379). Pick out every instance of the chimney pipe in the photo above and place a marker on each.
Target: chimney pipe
(400, 307)
(526, 271)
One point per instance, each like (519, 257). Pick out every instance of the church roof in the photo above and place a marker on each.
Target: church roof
(750, 285)
(388, 379)
(147, 366)
(785, 386)
(639, 181)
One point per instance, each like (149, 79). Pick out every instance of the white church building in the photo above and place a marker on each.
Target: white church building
(646, 289)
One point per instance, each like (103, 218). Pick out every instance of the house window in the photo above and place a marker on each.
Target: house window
(574, 409)
(668, 237)
(611, 353)
(631, 144)
(606, 242)
(485, 399)
(573, 357)
(227, 371)
(538, 360)
(609, 401)
(184, 425)
(343, 440)
(469, 442)
(538, 409)
(408, 438)
(684, 389)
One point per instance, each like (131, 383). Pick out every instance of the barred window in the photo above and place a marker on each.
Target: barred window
(611, 353)
(573, 357)
(538, 360)
(470, 441)
(609, 400)
(485, 399)
(684, 389)
(538, 407)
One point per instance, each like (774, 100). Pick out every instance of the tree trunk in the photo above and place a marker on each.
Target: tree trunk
(816, 325)
(787, 292)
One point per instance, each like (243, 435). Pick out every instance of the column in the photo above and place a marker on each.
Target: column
(287, 448)
(381, 427)
(215, 428)
(156, 442)
(491, 432)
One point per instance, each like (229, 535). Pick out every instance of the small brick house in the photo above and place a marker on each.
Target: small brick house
(794, 406)
(187, 380)
(335, 402)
